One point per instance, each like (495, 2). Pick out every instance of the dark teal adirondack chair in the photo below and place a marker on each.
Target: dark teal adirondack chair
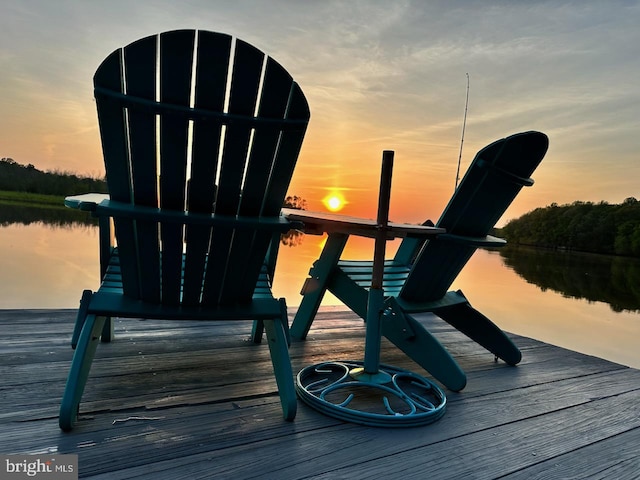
(417, 279)
(197, 172)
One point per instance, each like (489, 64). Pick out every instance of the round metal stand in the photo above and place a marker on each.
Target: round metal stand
(339, 390)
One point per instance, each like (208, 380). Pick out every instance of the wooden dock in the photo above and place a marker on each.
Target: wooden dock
(196, 400)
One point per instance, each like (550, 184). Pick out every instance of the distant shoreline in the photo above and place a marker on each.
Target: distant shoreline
(31, 199)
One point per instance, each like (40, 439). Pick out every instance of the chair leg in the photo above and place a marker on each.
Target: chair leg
(423, 348)
(316, 286)
(107, 330)
(81, 317)
(257, 330)
(480, 329)
(79, 371)
(282, 367)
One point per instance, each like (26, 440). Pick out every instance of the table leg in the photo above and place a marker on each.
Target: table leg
(316, 285)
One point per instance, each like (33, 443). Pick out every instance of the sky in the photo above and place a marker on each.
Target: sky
(378, 75)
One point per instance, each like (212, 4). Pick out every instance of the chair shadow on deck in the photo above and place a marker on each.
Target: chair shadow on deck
(197, 173)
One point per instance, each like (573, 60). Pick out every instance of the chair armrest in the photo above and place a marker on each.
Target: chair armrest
(111, 208)
(487, 241)
(525, 182)
(86, 201)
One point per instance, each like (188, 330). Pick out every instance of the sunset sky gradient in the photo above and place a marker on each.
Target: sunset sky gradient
(378, 75)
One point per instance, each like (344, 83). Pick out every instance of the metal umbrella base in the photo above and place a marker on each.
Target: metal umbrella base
(392, 397)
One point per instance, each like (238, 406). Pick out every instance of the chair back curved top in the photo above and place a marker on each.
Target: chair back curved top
(491, 183)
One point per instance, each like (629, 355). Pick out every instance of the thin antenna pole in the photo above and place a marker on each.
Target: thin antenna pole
(464, 125)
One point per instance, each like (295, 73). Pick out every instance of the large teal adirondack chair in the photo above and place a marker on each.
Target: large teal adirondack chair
(417, 279)
(197, 172)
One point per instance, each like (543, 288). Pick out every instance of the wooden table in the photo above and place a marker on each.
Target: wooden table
(351, 375)
(339, 228)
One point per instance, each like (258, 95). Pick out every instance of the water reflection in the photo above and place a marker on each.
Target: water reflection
(293, 238)
(26, 215)
(596, 278)
(46, 262)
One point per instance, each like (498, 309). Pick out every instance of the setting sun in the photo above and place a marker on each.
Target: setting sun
(334, 202)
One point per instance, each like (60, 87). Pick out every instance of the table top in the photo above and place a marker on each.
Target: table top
(321, 222)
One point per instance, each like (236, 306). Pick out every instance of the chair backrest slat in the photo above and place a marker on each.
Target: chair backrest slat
(212, 61)
(176, 62)
(140, 74)
(167, 158)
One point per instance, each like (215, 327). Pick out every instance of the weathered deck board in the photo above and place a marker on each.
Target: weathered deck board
(208, 407)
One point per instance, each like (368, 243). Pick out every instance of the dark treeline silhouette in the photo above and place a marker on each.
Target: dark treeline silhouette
(612, 229)
(596, 278)
(27, 178)
(294, 201)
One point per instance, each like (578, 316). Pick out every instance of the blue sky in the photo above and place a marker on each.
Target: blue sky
(378, 75)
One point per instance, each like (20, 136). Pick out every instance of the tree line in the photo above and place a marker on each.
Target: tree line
(15, 177)
(612, 229)
(581, 226)
(27, 178)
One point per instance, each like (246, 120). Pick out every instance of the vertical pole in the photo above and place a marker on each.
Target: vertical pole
(376, 293)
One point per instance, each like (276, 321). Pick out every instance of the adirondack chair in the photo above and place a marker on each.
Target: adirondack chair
(419, 276)
(197, 172)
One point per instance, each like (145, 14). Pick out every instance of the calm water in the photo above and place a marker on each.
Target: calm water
(587, 303)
